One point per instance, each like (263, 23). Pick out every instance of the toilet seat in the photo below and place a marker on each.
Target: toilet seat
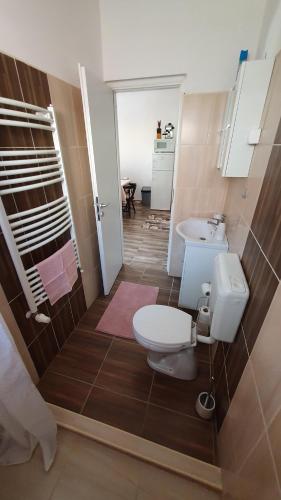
(162, 328)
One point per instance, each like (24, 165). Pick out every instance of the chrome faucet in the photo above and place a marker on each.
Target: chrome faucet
(216, 220)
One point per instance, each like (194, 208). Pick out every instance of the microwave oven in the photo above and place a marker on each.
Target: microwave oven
(164, 146)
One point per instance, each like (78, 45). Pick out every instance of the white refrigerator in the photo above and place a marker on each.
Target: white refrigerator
(162, 180)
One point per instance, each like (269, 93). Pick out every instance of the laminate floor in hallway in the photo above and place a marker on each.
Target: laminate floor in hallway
(107, 378)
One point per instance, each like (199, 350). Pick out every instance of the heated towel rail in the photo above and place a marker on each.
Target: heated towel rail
(32, 229)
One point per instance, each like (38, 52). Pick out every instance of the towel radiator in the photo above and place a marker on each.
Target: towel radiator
(32, 229)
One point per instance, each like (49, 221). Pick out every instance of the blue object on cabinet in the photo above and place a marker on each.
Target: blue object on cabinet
(243, 56)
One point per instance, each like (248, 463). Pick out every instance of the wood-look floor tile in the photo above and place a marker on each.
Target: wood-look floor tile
(81, 356)
(63, 391)
(118, 369)
(157, 278)
(180, 395)
(91, 318)
(181, 433)
(125, 370)
(202, 351)
(116, 410)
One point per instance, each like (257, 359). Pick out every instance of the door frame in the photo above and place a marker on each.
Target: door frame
(150, 83)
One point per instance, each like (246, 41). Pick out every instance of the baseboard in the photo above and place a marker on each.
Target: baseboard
(191, 468)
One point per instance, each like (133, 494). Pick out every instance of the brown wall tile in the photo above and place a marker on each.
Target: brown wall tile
(22, 82)
(222, 399)
(63, 324)
(263, 285)
(235, 362)
(78, 305)
(267, 218)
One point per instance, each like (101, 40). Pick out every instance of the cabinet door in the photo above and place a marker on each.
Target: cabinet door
(251, 91)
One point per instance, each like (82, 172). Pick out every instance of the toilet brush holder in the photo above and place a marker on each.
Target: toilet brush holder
(205, 405)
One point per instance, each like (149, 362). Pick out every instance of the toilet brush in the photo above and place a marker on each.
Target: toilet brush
(205, 404)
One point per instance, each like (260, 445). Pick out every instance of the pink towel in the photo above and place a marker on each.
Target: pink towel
(59, 272)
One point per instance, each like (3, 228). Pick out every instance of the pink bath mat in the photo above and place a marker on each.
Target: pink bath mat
(118, 317)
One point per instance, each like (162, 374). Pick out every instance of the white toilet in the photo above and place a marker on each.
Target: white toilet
(170, 335)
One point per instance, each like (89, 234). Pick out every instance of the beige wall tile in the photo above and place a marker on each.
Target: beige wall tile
(266, 357)
(274, 432)
(200, 189)
(244, 408)
(61, 97)
(226, 444)
(79, 124)
(86, 181)
(196, 115)
(237, 234)
(198, 167)
(92, 285)
(73, 173)
(216, 117)
(257, 479)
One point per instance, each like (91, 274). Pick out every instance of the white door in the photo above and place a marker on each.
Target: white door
(101, 139)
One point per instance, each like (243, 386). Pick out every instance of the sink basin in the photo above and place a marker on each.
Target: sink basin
(197, 232)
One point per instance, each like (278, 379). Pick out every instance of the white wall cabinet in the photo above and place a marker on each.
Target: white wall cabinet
(241, 129)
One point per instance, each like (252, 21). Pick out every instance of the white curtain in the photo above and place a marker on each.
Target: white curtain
(25, 419)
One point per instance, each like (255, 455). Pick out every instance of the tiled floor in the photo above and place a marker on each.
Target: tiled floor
(108, 379)
(86, 470)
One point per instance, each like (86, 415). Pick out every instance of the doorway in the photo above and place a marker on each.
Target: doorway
(146, 174)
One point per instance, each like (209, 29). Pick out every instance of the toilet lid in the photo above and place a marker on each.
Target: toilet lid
(163, 325)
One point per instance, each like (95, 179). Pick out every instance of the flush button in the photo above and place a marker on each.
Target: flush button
(237, 285)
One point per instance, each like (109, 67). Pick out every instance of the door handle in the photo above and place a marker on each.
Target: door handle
(99, 207)
(103, 205)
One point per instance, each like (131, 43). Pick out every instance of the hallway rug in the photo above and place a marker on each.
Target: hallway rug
(117, 319)
(157, 222)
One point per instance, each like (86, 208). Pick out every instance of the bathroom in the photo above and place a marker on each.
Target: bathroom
(125, 418)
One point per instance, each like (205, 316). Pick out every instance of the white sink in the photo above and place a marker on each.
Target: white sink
(197, 232)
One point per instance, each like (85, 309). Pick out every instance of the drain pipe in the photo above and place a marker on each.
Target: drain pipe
(205, 340)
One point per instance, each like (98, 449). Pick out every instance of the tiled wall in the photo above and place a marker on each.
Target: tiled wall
(67, 103)
(250, 438)
(247, 372)
(253, 222)
(199, 188)
(22, 82)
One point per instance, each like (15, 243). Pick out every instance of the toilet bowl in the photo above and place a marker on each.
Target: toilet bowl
(169, 336)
